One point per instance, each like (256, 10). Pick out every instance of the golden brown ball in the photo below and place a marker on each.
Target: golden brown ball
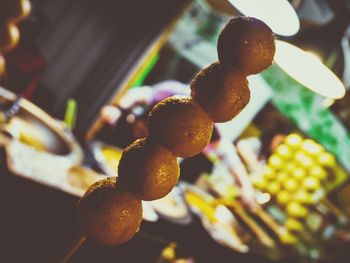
(9, 37)
(149, 169)
(108, 214)
(180, 125)
(222, 92)
(248, 44)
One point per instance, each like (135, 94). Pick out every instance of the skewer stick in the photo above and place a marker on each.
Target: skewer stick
(74, 246)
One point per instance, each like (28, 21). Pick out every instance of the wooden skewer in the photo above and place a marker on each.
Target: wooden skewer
(76, 244)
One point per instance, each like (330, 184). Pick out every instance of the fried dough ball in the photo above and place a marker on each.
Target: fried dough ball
(149, 169)
(180, 125)
(108, 214)
(248, 44)
(9, 36)
(222, 92)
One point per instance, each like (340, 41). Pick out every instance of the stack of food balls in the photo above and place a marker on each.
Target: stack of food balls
(11, 13)
(110, 212)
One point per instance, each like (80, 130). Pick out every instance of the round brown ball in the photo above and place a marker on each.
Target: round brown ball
(248, 44)
(180, 125)
(108, 214)
(149, 169)
(222, 92)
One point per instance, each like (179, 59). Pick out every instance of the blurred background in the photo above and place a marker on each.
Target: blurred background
(272, 186)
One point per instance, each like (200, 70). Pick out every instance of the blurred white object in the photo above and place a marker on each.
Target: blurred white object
(279, 15)
(148, 213)
(307, 69)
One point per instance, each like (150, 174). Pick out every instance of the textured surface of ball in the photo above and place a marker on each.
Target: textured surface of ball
(222, 92)
(248, 44)
(149, 169)
(108, 214)
(180, 125)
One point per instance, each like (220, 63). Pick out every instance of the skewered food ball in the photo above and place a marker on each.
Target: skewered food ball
(9, 36)
(290, 184)
(294, 225)
(108, 214)
(311, 183)
(180, 125)
(14, 10)
(318, 172)
(247, 44)
(222, 92)
(149, 169)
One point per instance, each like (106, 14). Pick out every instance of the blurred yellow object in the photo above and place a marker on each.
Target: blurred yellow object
(112, 157)
(273, 188)
(283, 197)
(291, 185)
(202, 205)
(318, 172)
(276, 162)
(304, 160)
(281, 177)
(290, 166)
(288, 239)
(311, 147)
(269, 173)
(294, 225)
(284, 151)
(15, 10)
(2, 65)
(293, 140)
(298, 173)
(295, 209)
(303, 197)
(33, 141)
(326, 159)
(311, 183)
(260, 183)
(9, 36)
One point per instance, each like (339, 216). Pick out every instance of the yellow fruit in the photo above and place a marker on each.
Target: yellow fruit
(260, 183)
(294, 225)
(273, 188)
(290, 185)
(109, 214)
(284, 151)
(318, 172)
(293, 140)
(288, 239)
(281, 177)
(304, 160)
(311, 147)
(283, 197)
(303, 197)
(149, 169)
(296, 210)
(289, 167)
(222, 92)
(298, 173)
(276, 162)
(181, 125)
(311, 183)
(326, 159)
(269, 173)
